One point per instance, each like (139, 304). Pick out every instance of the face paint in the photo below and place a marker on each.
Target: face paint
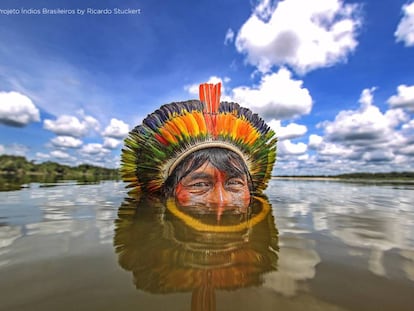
(181, 194)
(213, 188)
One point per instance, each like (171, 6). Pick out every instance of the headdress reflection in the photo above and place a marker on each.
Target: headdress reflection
(170, 248)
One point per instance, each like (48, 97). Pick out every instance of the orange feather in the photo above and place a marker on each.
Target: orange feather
(167, 135)
(201, 122)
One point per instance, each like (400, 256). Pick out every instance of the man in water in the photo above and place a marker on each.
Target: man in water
(200, 152)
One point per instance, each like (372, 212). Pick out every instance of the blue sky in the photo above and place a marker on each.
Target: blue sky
(333, 78)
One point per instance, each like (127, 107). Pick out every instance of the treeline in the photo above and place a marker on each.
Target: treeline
(390, 175)
(361, 175)
(19, 166)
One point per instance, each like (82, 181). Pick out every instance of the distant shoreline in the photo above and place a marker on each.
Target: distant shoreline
(358, 175)
(389, 178)
(19, 166)
(307, 177)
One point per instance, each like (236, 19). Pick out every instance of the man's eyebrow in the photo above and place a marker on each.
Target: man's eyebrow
(199, 175)
(236, 175)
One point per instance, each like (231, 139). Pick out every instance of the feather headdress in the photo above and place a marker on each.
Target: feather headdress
(167, 136)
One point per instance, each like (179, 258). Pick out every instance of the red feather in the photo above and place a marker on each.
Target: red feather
(210, 96)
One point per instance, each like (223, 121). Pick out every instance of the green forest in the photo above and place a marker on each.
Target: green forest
(390, 175)
(17, 171)
(19, 166)
(409, 176)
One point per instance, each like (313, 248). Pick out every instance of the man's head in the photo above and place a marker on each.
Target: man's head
(203, 137)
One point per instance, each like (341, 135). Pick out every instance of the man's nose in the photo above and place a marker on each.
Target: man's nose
(219, 195)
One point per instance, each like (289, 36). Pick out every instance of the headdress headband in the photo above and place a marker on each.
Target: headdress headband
(167, 136)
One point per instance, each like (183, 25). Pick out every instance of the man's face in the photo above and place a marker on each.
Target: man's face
(209, 186)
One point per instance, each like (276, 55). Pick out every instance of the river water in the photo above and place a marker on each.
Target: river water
(307, 245)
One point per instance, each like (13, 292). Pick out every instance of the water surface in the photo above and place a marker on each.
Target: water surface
(310, 245)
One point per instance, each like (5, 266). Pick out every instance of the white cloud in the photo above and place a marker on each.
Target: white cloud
(59, 154)
(116, 129)
(277, 96)
(193, 89)
(315, 141)
(409, 125)
(66, 142)
(407, 150)
(286, 147)
(365, 139)
(93, 149)
(329, 149)
(97, 154)
(303, 157)
(111, 143)
(364, 126)
(396, 117)
(17, 109)
(16, 149)
(404, 98)
(2, 149)
(67, 125)
(91, 123)
(43, 156)
(367, 97)
(229, 36)
(378, 156)
(292, 130)
(304, 34)
(405, 29)
(264, 9)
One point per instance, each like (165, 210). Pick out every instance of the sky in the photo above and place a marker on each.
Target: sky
(333, 78)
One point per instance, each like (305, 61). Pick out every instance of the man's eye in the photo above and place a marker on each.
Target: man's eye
(200, 184)
(235, 182)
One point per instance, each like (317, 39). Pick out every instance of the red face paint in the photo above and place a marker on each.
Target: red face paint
(181, 194)
(209, 186)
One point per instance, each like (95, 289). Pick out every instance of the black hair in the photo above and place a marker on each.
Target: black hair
(223, 159)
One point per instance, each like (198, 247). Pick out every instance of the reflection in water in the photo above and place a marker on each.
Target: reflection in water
(297, 262)
(55, 215)
(372, 221)
(15, 182)
(408, 265)
(7, 236)
(171, 249)
(338, 247)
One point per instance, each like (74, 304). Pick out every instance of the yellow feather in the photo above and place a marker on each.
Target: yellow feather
(191, 124)
(181, 126)
(235, 129)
